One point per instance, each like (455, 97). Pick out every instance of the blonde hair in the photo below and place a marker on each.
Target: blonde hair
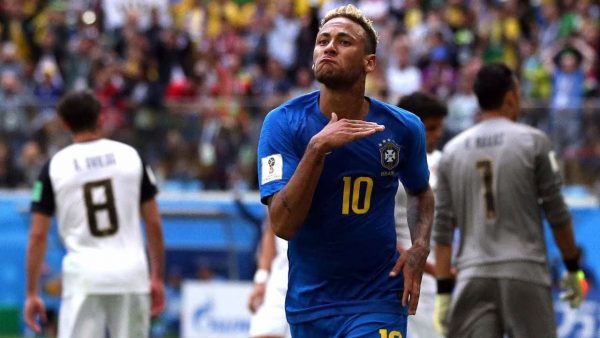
(354, 14)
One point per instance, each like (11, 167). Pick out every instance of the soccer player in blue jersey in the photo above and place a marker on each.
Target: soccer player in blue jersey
(329, 163)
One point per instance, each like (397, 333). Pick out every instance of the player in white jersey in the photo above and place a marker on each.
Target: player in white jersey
(496, 181)
(432, 113)
(267, 300)
(97, 188)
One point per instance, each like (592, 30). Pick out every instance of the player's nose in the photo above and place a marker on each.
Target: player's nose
(330, 49)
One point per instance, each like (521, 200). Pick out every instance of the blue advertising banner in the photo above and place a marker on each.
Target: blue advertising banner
(205, 221)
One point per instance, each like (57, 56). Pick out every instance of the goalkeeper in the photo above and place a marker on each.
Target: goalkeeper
(495, 183)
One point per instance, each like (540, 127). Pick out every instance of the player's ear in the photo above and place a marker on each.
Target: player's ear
(511, 103)
(65, 125)
(100, 121)
(369, 62)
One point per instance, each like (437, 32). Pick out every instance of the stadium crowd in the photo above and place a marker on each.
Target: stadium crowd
(188, 84)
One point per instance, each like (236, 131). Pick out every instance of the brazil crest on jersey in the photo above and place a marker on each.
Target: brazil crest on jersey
(341, 256)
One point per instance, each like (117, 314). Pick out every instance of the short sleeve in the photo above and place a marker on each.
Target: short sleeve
(444, 219)
(414, 173)
(148, 189)
(42, 193)
(277, 159)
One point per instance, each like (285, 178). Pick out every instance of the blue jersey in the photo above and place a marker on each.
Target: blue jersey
(342, 254)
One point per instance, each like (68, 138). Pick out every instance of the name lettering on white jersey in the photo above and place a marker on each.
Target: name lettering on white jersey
(97, 162)
(77, 167)
(272, 168)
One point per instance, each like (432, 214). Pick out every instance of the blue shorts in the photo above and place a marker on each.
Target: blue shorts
(362, 325)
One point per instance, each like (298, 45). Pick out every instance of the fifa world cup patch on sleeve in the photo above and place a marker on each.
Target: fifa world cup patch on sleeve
(272, 168)
(36, 191)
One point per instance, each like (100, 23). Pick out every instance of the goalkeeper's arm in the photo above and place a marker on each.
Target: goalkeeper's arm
(565, 240)
(574, 281)
(445, 285)
(556, 211)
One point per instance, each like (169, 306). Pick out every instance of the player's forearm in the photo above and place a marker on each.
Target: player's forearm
(156, 250)
(154, 236)
(420, 216)
(565, 240)
(443, 266)
(36, 250)
(288, 208)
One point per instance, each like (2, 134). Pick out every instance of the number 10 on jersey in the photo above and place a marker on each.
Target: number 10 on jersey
(355, 190)
(383, 333)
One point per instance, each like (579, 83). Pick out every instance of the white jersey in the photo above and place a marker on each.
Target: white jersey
(402, 231)
(421, 324)
(270, 320)
(280, 264)
(95, 189)
(497, 181)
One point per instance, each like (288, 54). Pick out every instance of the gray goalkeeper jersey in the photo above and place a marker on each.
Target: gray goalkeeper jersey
(496, 181)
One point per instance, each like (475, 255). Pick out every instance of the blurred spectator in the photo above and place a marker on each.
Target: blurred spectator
(227, 12)
(15, 19)
(48, 88)
(462, 105)
(402, 77)
(567, 61)
(439, 77)
(30, 162)
(309, 27)
(375, 10)
(14, 110)
(501, 32)
(8, 59)
(78, 64)
(461, 18)
(425, 34)
(535, 82)
(190, 16)
(255, 40)
(212, 69)
(283, 34)
(549, 29)
(48, 54)
(277, 82)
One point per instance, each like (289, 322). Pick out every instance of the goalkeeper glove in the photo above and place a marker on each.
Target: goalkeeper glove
(576, 288)
(440, 313)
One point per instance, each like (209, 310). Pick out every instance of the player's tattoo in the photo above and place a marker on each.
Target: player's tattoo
(412, 261)
(417, 258)
(420, 216)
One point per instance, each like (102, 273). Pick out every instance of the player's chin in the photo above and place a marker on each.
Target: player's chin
(333, 81)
